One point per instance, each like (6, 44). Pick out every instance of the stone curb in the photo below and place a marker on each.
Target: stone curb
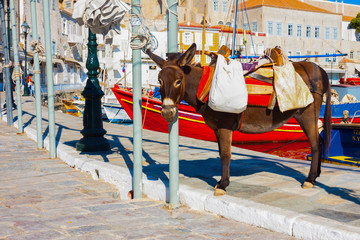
(276, 219)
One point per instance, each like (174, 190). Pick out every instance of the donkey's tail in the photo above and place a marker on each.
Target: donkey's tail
(327, 115)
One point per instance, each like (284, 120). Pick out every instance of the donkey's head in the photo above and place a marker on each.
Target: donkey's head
(172, 80)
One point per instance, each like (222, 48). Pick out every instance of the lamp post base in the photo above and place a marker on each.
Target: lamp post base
(93, 132)
(26, 91)
(93, 144)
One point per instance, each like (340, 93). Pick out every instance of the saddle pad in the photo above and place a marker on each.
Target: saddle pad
(256, 98)
(205, 84)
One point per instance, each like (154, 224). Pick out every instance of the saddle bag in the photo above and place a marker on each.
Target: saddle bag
(228, 91)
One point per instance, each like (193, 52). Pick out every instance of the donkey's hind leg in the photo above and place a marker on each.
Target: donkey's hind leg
(224, 137)
(308, 121)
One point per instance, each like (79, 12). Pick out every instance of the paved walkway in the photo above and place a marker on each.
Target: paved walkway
(265, 190)
(42, 198)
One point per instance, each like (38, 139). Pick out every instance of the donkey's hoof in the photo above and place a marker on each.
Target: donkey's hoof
(307, 185)
(219, 192)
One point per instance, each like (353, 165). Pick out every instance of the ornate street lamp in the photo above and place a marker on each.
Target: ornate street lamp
(93, 131)
(25, 28)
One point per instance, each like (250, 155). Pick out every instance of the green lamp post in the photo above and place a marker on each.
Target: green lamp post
(25, 28)
(9, 46)
(93, 132)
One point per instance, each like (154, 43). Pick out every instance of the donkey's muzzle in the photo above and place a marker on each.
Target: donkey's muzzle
(168, 113)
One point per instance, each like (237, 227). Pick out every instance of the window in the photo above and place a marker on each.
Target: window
(64, 26)
(198, 40)
(335, 33)
(208, 59)
(224, 6)
(228, 24)
(260, 49)
(358, 55)
(197, 58)
(279, 29)
(216, 5)
(290, 30)
(327, 33)
(220, 23)
(53, 45)
(68, 4)
(352, 55)
(187, 38)
(270, 28)
(289, 53)
(334, 59)
(209, 39)
(308, 31)
(246, 26)
(317, 32)
(254, 27)
(298, 30)
(222, 40)
(30, 40)
(327, 59)
(54, 4)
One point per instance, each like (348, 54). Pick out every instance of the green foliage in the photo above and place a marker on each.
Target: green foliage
(355, 23)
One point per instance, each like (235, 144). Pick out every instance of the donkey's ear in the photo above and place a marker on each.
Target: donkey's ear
(187, 56)
(158, 60)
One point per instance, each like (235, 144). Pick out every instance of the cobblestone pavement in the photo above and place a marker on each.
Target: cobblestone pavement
(42, 198)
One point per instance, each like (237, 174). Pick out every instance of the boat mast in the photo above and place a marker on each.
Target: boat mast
(236, 11)
(203, 38)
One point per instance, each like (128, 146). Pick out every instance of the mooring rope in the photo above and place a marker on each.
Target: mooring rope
(37, 46)
(143, 36)
(168, 7)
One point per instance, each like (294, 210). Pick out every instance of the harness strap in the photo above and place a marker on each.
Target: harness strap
(241, 121)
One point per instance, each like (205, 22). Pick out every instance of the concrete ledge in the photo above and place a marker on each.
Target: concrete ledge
(276, 219)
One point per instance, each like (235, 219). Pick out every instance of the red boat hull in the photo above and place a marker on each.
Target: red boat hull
(191, 124)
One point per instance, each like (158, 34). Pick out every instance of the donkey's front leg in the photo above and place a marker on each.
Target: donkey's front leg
(224, 141)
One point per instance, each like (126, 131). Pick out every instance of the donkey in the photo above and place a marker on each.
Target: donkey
(179, 80)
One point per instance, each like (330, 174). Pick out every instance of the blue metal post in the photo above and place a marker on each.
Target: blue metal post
(235, 25)
(37, 77)
(173, 127)
(49, 77)
(137, 128)
(6, 52)
(17, 66)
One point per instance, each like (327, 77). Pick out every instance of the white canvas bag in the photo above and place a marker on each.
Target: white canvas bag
(228, 91)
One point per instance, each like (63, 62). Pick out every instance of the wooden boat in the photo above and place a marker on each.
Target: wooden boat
(189, 120)
(345, 145)
(350, 81)
(337, 111)
(115, 113)
(71, 108)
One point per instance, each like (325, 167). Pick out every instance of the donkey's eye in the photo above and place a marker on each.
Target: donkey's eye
(160, 81)
(177, 83)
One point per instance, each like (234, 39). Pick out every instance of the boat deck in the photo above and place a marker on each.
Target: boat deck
(261, 184)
